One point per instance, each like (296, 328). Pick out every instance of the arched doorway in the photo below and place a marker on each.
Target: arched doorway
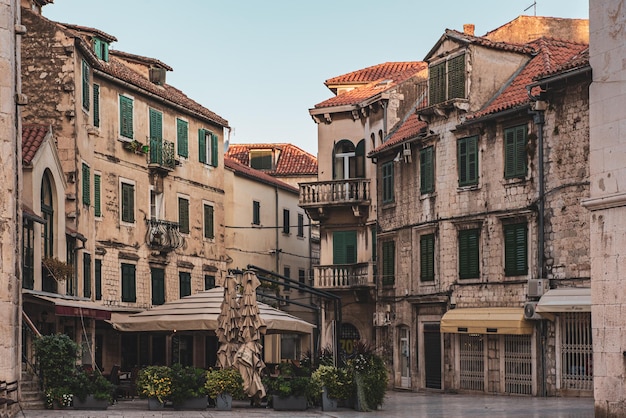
(348, 337)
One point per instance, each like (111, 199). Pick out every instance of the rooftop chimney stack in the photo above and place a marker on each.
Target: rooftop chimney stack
(468, 29)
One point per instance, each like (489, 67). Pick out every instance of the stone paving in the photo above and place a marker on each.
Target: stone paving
(397, 405)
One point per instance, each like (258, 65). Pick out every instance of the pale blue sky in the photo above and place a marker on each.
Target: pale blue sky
(262, 64)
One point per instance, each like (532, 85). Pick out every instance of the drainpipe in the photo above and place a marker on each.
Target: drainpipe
(277, 233)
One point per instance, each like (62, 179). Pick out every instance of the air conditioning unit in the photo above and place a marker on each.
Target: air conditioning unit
(537, 287)
(530, 311)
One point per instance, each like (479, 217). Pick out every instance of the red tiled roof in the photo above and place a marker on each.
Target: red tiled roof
(577, 61)
(477, 40)
(369, 90)
(376, 72)
(292, 160)
(245, 171)
(551, 55)
(92, 31)
(408, 129)
(145, 60)
(32, 138)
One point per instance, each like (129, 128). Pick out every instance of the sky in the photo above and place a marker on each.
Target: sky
(261, 65)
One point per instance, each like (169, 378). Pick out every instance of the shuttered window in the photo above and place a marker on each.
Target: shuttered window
(182, 137)
(300, 225)
(207, 147)
(209, 281)
(86, 185)
(344, 247)
(183, 215)
(158, 286)
(129, 291)
(437, 83)
(96, 105)
(468, 160)
(128, 203)
(427, 257)
(156, 125)
(86, 92)
(468, 253)
(126, 117)
(427, 172)
(101, 49)
(456, 77)
(98, 278)
(446, 80)
(256, 213)
(516, 249)
(389, 262)
(286, 225)
(209, 231)
(388, 196)
(87, 275)
(97, 202)
(515, 152)
(185, 283)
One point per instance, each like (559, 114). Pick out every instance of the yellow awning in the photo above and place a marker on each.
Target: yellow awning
(486, 321)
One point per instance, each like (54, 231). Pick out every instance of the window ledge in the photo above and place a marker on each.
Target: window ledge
(389, 205)
(517, 181)
(468, 188)
(429, 195)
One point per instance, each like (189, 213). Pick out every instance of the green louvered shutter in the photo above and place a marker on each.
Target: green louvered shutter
(105, 51)
(97, 47)
(389, 262)
(86, 185)
(96, 105)
(214, 152)
(426, 170)
(185, 284)
(128, 203)
(468, 160)
(182, 137)
(344, 247)
(202, 146)
(98, 278)
(97, 195)
(427, 258)
(158, 286)
(183, 215)
(156, 125)
(87, 275)
(129, 292)
(515, 249)
(126, 117)
(437, 83)
(456, 77)
(86, 92)
(520, 151)
(209, 232)
(468, 254)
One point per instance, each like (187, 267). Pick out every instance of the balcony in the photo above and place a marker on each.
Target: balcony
(316, 196)
(161, 156)
(163, 236)
(344, 276)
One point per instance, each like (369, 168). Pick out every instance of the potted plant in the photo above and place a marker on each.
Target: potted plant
(291, 389)
(91, 390)
(188, 387)
(56, 357)
(370, 377)
(223, 385)
(333, 384)
(155, 383)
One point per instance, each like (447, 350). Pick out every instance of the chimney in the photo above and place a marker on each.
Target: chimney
(468, 29)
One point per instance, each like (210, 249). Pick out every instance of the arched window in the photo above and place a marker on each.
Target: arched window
(47, 212)
(348, 338)
(348, 160)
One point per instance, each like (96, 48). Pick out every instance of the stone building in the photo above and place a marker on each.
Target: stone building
(482, 238)
(137, 214)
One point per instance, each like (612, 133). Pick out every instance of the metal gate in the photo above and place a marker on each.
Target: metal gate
(432, 356)
(576, 351)
(518, 366)
(472, 358)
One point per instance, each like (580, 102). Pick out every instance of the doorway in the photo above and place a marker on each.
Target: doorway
(405, 355)
(432, 356)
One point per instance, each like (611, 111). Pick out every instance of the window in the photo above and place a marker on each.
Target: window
(126, 117)
(96, 105)
(86, 185)
(209, 231)
(87, 275)
(101, 49)
(185, 283)
(156, 125)
(344, 247)
(256, 213)
(388, 196)
(300, 225)
(427, 171)
(183, 215)
(129, 292)
(389, 262)
(28, 254)
(427, 258)
(182, 137)
(47, 212)
(515, 152)
(157, 276)
(261, 159)
(97, 193)
(71, 285)
(207, 147)
(285, 221)
(209, 281)
(156, 205)
(98, 278)
(302, 279)
(128, 203)
(287, 274)
(349, 161)
(468, 253)
(467, 149)
(516, 249)
(446, 80)
(86, 91)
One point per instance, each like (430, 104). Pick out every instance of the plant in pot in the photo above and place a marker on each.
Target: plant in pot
(91, 390)
(332, 384)
(223, 385)
(370, 377)
(291, 389)
(56, 358)
(188, 387)
(155, 383)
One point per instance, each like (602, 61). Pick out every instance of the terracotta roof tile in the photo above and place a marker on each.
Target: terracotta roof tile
(91, 31)
(577, 61)
(32, 138)
(142, 59)
(245, 171)
(376, 72)
(292, 161)
(477, 40)
(406, 130)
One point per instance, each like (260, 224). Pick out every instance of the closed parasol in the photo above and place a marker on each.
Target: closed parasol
(228, 325)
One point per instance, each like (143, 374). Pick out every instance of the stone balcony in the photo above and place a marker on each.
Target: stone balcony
(163, 236)
(317, 197)
(344, 276)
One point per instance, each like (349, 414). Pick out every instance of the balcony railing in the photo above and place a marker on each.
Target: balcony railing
(163, 236)
(344, 276)
(351, 191)
(162, 153)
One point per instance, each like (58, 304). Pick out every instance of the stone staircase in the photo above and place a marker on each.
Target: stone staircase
(31, 396)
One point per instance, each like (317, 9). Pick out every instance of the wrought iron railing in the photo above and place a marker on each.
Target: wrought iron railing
(162, 153)
(344, 276)
(348, 191)
(163, 236)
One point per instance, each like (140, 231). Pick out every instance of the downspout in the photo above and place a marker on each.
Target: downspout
(276, 229)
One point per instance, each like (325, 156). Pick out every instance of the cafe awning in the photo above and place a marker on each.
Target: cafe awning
(486, 321)
(68, 306)
(199, 312)
(571, 299)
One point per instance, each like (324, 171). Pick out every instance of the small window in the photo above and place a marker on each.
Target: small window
(285, 221)
(467, 149)
(126, 117)
(86, 185)
(182, 137)
(516, 249)
(344, 247)
(427, 171)
(207, 147)
(446, 80)
(97, 193)
(389, 262)
(469, 262)
(129, 291)
(86, 92)
(300, 225)
(87, 275)
(261, 159)
(128, 203)
(209, 232)
(301, 279)
(101, 49)
(96, 105)
(98, 278)
(185, 283)
(287, 274)
(388, 193)
(158, 286)
(515, 152)
(256, 213)
(209, 281)
(183, 215)
(427, 258)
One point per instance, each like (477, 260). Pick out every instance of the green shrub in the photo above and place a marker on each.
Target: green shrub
(224, 381)
(187, 382)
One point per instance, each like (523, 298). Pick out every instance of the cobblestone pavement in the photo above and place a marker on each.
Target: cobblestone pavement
(397, 405)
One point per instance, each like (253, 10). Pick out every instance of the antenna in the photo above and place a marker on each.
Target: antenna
(534, 6)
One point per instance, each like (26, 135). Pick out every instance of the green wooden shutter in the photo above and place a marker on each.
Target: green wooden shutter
(467, 149)
(86, 92)
(208, 222)
(344, 247)
(509, 153)
(156, 125)
(128, 203)
(97, 47)
(183, 215)
(158, 286)
(437, 83)
(126, 117)
(128, 283)
(182, 137)
(96, 105)
(97, 195)
(515, 249)
(256, 212)
(520, 151)
(202, 146)
(427, 257)
(214, 150)
(209, 282)
(87, 275)
(286, 221)
(185, 283)
(426, 170)
(389, 262)
(105, 51)
(468, 254)
(98, 278)
(86, 185)
(456, 77)
(388, 192)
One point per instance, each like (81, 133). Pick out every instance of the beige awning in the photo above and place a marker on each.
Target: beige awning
(571, 299)
(71, 306)
(199, 312)
(486, 321)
